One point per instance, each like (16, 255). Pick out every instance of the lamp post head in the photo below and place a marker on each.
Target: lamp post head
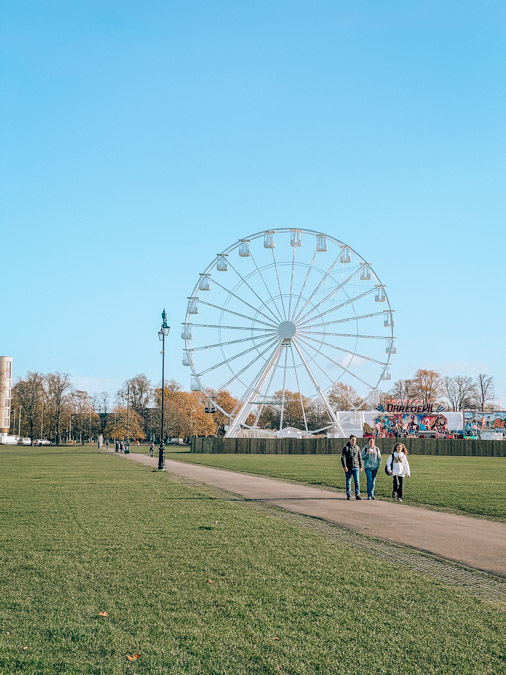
(164, 330)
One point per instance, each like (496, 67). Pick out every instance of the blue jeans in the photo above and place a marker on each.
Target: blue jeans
(371, 480)
(356, 477)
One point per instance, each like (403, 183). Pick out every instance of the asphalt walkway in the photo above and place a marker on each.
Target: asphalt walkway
(477, 543)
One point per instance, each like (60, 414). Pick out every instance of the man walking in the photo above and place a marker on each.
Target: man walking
(351, 459)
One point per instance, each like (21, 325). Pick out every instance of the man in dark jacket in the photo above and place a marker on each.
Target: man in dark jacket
(351, 459)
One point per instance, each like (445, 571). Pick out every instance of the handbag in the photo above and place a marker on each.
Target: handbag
(387, 471)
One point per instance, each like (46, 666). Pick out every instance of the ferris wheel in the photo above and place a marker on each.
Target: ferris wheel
(287, 310)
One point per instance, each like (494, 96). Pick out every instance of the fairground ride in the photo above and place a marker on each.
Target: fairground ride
(287, 310)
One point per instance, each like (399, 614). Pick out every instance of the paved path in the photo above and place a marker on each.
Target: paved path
(477, 543)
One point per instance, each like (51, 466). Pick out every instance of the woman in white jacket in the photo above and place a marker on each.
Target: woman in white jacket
(398, 467)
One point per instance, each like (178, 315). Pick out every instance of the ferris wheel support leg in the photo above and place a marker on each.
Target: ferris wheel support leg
(326, 403)
(255, 388)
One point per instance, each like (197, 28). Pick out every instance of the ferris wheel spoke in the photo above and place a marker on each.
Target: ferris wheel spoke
(349, 318)
(236, 356)
(217, 325)
(324, 372)
(347, 351)
(336, 363)
(255, 309)
(261, 407)
(266, 286)
(343, 304)
(301, 318)
(316, 384)
(279, 283)
(253, 290)
(283, 393)
(322, 280)
(291, 284)
(231, 342)
(244, 316)
(298, 387)
(256, 386)
(243, 370)
(308, 273)
(306, 331)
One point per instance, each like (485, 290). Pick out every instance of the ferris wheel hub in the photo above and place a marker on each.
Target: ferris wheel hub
(287, 329)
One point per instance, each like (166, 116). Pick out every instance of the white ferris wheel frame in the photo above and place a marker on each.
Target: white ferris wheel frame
(283, 333)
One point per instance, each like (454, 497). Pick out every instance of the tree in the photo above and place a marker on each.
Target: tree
(459, 391)
(344, 397)
(226, 401)
(185, 414)
(187, 417)
(116, 426)
(85, 419)
(404, 389)
(229, 404)
(317, 416)
(484, 390)
(28, 395)
(139, 392)
(58, 388)
(427, 385)
(287, 404)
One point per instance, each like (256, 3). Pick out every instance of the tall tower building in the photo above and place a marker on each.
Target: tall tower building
(5, 393)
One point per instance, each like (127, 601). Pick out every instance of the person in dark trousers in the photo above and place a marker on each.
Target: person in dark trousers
(398, 467)
(152, 449)
(351, 459)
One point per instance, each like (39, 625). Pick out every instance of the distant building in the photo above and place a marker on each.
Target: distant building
(5, 393)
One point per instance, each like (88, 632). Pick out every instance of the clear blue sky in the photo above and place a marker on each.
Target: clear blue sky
(139, 139)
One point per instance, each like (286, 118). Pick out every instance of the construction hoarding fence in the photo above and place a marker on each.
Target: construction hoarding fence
(334, 446)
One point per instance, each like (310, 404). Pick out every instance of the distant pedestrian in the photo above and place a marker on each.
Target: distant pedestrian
(398, 467)
(116, 449)
(107, 445)
(351, 459)
(121, 446)
(371, 457)
(152, 449)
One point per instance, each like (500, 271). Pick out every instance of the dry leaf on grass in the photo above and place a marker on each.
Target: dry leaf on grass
(25, 648)
(210, 581)
(134, 657)
(278, 667)
(102, 614)
(275, 638)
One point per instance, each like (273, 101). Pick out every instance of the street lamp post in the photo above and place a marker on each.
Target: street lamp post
(127, 439)
(162, 334)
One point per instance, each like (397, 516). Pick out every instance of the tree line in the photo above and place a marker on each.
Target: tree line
(49, 407)
(460, 392)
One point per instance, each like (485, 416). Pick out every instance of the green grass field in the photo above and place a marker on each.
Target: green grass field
(198, 584)
(468, 485)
